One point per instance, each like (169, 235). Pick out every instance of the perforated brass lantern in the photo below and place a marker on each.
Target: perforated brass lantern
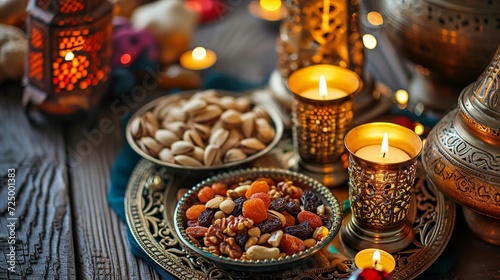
(320, 123)
(380, 191)
(320, 32)
(462, 154)
(69, 55)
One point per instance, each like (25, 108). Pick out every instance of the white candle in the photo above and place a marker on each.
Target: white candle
(323, 91)
(383, 153)
(198, 59)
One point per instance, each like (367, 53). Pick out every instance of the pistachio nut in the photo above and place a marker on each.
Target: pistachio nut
(176, 127)
(186, 160)
(233, 155)
(231, 118)
(150, 146)
(251, 145)
(166, 137)
(198, 154)
(210, 114)
(248, 123)
(182, 148)
(211, 155)
(219, 137)
(192, 136)
(166, 155)
(265, 132)
(194, 106)
(137, 128)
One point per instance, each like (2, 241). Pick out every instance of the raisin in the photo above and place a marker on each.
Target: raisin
(302, 230)
(292, 208)
(192, 223)
(327, 222)
(241, 238)
(310, 201)
(206, 217)
(196, 231)
(238, 206)
(270, 225)
(278, 204)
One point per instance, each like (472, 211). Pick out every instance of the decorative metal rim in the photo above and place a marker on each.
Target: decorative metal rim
(275, 117)
(185, 266)
(301, 180)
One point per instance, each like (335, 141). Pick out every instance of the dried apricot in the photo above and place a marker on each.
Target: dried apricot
(256, 187)
(313, 219)
(197, 231)
(290, 220)
(205, 194)
(220, 188)
(194, 211)
(255, 209)
(265, 198)
(291, 244)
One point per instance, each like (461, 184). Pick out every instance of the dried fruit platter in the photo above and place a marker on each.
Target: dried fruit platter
(152, 197)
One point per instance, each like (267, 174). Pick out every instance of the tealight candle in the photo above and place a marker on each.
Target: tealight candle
(269, 10)
(375, 258)
(322, 112)
(382, 169)
(383, 153)
(198, 59)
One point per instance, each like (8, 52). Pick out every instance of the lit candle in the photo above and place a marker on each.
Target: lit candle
(269, 10)
(382, 153)
(198, 59)
(323, 91)
(375, 258)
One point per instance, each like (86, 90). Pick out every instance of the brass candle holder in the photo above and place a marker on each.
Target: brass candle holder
(380, 186)
(320, 123)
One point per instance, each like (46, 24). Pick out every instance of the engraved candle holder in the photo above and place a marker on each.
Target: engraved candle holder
(380, 193)
(319, 126)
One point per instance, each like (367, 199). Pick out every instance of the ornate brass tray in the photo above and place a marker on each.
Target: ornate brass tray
(150, 204)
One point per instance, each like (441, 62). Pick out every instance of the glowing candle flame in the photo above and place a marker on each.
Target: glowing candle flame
(199, 53)
(369, 41)
(270, 5)
(69, 56)
(323, 89)
(376, 254)
(384, 151)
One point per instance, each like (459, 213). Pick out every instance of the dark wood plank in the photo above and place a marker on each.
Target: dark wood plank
(44, 244)
(102, 246)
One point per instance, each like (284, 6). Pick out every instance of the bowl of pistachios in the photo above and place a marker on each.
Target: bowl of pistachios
(202, 131)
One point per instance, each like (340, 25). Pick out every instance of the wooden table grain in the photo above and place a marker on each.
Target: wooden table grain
(65, 228)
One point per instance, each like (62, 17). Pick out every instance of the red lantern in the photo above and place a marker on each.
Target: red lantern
(69, 55)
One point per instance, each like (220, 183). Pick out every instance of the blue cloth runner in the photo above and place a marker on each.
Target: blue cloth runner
(127, 159)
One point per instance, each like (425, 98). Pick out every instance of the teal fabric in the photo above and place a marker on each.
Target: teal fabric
(127, 159)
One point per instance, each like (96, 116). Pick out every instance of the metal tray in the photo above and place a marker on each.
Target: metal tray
(150, 206)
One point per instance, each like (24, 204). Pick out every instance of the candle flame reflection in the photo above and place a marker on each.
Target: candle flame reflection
(384, 152)
(376, 255)
(199, 53)
(323, 89)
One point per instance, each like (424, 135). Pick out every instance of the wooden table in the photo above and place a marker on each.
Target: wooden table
(65, 227)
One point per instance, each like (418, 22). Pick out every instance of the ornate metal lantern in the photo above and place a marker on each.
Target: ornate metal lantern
(69, 54)
(462, 153)
(320, 32)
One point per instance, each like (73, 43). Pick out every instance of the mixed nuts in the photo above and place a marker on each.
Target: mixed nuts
(205, 129)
